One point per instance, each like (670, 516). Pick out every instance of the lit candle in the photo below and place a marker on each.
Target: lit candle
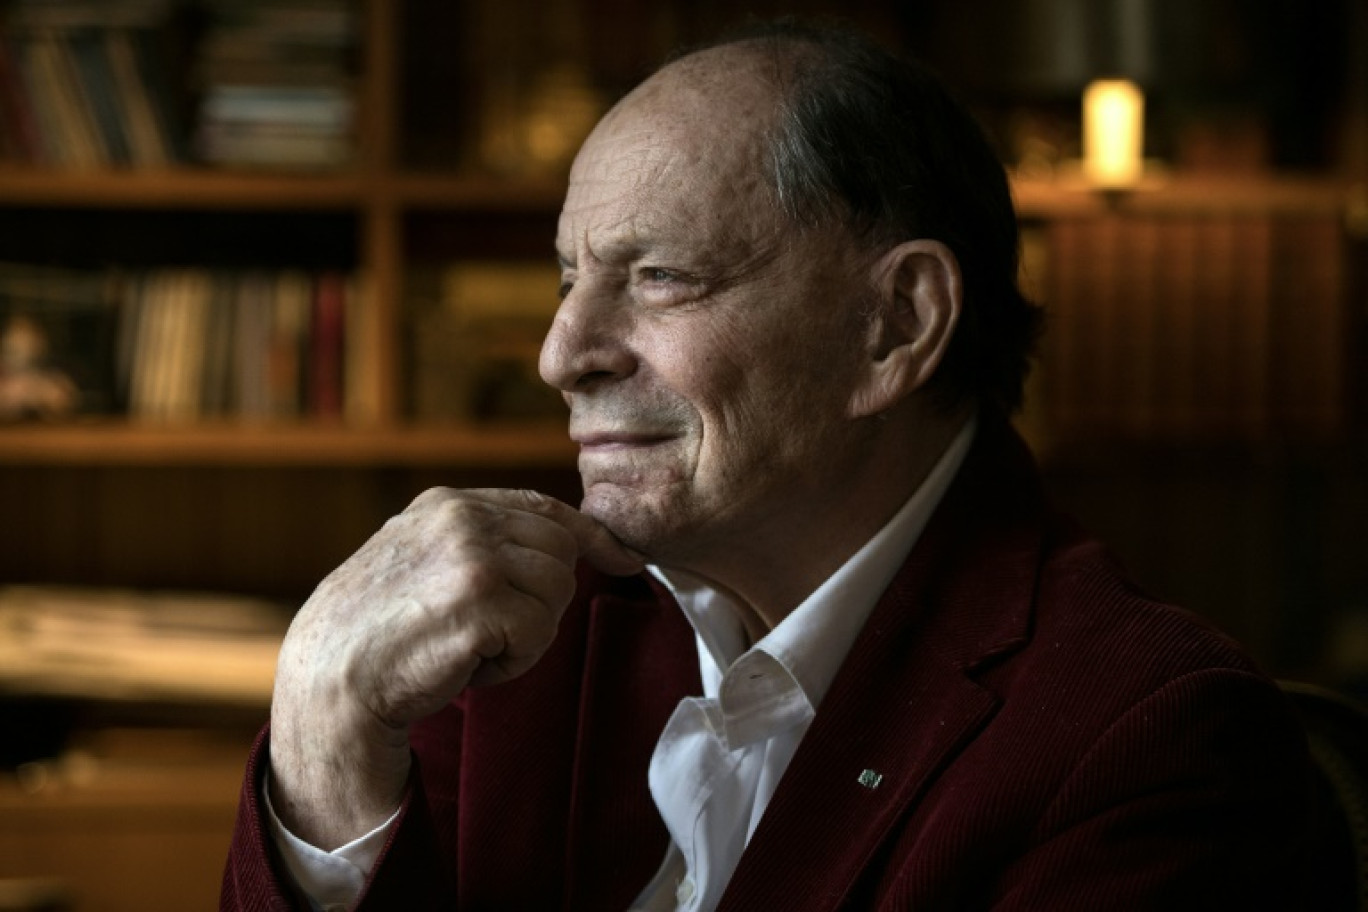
(1113, 132)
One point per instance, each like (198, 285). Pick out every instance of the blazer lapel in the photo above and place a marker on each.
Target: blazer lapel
(838, 804)
(640, 663)
(905, 702)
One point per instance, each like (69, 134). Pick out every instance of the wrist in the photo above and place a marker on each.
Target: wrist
(336, 772)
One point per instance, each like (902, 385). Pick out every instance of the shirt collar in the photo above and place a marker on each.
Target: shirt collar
(812, 641)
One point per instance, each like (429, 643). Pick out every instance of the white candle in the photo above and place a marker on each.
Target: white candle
(1113, 132)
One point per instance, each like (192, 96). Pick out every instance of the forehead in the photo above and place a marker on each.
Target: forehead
(687, 147)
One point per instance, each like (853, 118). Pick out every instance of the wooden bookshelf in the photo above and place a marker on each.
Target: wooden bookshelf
(1228, 525)
(381, 198)
(386, 199)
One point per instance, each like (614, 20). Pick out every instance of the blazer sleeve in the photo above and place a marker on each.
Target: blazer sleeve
(414, 870)
(1193, 799)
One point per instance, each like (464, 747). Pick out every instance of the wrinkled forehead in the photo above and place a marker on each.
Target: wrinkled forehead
(689, 144)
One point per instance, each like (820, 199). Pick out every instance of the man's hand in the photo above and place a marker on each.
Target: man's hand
(463, 587)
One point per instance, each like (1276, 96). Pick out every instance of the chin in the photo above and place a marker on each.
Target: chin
(635, 521)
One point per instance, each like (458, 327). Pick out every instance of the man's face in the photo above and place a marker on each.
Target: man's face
(706, 346)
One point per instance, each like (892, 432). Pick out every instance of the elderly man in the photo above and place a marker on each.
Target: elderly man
(826, 647)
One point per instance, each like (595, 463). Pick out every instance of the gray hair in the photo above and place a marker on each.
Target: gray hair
(874, 143)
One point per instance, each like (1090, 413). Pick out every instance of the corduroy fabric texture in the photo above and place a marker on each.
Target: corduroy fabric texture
(1045, 737)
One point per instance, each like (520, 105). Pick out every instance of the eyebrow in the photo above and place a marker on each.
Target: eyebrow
(609, 251)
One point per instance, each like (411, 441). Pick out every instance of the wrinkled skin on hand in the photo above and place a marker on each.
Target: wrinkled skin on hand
(462, 588)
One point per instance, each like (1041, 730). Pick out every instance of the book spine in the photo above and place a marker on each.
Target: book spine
(16, 109)
(156, 81)
(289, 326)
(252, 340)
(73, 110)
(327, 341)
(148, 148)
(96, 88)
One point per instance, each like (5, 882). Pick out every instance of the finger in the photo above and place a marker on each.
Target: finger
(596, 544)
(540, 533)
(544, 577)
(515, 639)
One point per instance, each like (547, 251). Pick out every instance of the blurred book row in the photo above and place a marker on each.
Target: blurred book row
(175, 344)
(123, 644)
(147, 83)
(184, 344)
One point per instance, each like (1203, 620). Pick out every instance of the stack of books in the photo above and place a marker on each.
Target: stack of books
(278, 87)
(87, 85)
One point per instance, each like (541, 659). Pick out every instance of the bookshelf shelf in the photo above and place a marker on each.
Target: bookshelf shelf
(178, 188)
(183, 188)
(1262, 194)
(219, 444)
(425, 191)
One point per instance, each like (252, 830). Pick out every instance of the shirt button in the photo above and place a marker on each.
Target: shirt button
(685, 891)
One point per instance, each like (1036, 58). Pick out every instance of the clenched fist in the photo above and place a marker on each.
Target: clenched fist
(463, 587)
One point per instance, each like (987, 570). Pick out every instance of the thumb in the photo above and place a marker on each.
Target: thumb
(601, 547)
(596, 543)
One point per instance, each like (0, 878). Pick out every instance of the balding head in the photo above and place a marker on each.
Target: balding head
(857, 140)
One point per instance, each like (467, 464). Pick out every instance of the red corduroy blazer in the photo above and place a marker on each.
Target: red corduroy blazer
(1043, 736)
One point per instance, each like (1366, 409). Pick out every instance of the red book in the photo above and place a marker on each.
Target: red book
(19, 125)
(326, 345)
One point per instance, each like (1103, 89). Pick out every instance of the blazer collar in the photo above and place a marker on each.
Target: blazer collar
(905, 701)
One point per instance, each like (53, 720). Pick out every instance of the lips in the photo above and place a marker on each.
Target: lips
(611, 440)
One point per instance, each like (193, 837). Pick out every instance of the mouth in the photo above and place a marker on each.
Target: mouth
(609, 441)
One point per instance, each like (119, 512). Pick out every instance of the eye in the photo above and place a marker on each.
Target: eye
(656, 274)
(564, 289)
(665, 286)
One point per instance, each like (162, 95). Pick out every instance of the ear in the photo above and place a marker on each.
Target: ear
(918, 291)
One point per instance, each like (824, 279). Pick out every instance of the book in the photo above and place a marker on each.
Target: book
(327, 346)
(160, 86)
(361, 389)
(217, 396)
(95, 82)
(148, 351)
(17, 121)
(252, 325)
(148, 144)
(190, 320)
(293, 291)
(53, 56)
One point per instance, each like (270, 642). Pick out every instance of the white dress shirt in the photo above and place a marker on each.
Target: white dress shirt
(721, 755)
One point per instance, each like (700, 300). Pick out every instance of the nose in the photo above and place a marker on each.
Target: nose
(586, 345)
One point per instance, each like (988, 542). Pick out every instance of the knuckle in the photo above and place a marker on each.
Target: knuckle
(432, 495)
(478, 579)
(464, 517)
(532, 500)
